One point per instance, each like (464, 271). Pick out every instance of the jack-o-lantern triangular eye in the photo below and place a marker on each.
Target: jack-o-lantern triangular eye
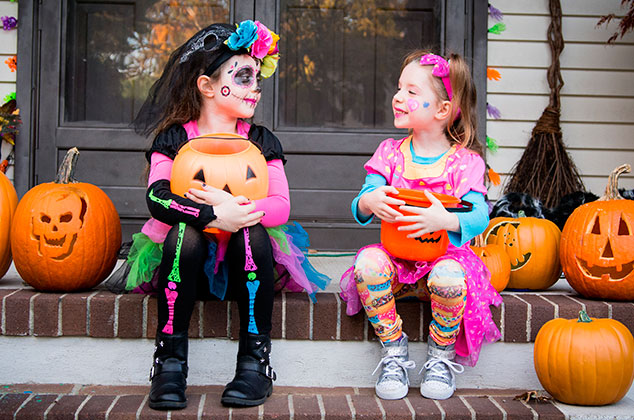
(200, 176)
(623, 228)
(250, 173)
(596, 228)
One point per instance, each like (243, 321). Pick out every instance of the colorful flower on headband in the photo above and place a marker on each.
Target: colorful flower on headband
(263, 41)
(259, 41)
(441, 66)
(269, 65)
(245, 35)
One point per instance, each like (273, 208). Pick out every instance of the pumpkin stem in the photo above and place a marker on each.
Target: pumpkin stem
(66, 171)
(583, 317)
(479, 240)
(612, 189)
(521, 213)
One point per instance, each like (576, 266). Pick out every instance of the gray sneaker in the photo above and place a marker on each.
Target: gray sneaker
(439, 381)
(393, 382)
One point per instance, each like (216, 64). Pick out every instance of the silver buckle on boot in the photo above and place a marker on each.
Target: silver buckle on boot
(270, 373)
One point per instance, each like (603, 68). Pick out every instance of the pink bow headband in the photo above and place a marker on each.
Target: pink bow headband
(441, 69)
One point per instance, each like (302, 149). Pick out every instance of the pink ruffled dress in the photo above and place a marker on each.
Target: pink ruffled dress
(456, 173)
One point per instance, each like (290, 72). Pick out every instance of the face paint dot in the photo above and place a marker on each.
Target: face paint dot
(425, 104)
(225, 91)
(412, 104)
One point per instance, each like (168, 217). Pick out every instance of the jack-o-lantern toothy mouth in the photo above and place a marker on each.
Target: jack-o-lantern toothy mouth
(606, 273)
(58, 243)
(429, 240)
(520, 264)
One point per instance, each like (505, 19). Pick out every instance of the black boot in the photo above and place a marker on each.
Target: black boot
(169, 372)
(253, 382)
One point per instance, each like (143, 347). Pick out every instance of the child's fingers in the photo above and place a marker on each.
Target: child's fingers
(394, 201)
(419, 233)
(254, 218)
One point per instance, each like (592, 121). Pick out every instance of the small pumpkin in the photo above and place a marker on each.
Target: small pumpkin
(225, 161)
(586, 361)
(496, 260)
(597, 245)
(8, 203)
(532, 245)
(65, 234)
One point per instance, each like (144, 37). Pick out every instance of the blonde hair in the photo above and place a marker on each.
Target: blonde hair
(461, 129)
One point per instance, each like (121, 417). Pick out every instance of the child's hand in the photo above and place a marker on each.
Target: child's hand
(208, 195)
(430, 219)
(377, 202)
(235, 214)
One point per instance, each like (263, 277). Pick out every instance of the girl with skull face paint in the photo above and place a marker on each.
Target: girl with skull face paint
(211, 84)
(435, 100)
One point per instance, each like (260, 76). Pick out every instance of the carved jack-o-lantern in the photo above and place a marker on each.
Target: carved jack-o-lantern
(57, 221)
(225, 161)
(532, 244)
(597, 245)
(65, 235)
(8, 203)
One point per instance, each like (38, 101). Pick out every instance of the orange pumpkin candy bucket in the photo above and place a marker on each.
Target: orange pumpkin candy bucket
(223, 160)
(427, 247)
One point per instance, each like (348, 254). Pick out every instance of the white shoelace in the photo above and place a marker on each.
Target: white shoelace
(395, 366)
(437, 370)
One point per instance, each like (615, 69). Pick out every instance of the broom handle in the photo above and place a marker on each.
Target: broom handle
(556, 42)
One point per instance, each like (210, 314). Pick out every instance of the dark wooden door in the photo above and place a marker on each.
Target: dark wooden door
(86, 66)
(331, 103)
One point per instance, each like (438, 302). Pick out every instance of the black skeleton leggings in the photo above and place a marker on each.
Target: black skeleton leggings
(182, 279)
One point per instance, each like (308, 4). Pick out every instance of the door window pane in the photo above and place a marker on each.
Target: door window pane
(341, 59)
(115, 51)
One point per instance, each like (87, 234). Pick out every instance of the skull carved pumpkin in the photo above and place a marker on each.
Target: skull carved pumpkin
(597, 245)
(57, 222)
(65, 235)
(532, 244)
(225, 161)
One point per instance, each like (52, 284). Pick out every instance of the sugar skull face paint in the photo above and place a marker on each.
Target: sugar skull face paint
(425, 104)
(412, 104)
(225, 91)
(244, 77)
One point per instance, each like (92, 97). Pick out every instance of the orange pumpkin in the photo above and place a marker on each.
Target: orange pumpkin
(587, 361)
(225, 161)
(496, 260)
(65, 235)
(597, 245)
(8, 202)
(532, 244)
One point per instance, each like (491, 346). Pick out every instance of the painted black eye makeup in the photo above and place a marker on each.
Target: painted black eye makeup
(244, 77)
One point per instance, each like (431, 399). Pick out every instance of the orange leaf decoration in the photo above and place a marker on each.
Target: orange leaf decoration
(493, 74)
(494, 177)
(12, 62)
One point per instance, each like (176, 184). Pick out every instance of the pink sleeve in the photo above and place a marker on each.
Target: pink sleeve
(160, 168)
(277, 205)
(381, 162)
(468, 174)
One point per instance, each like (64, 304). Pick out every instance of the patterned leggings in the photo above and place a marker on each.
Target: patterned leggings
(377, 284)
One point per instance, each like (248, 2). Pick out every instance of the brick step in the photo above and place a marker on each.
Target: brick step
(102, 314)
(112, 403)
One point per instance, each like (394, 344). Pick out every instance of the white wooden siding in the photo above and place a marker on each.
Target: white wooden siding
(597, 99)
(8, 48)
